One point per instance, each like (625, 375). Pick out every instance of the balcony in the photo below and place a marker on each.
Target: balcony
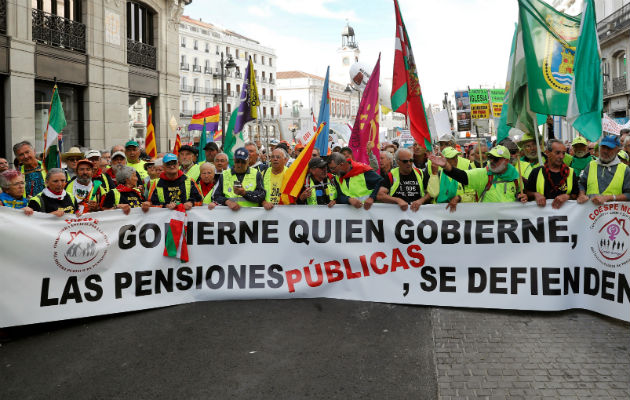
(619, 84)
(238, 74)
(185, 88)
(186, 113)
(184, 66)
(614, 23)
(207, 71)
(271, 80)
(196, 68)
(56, 31)
(606, 89)
(141, 54)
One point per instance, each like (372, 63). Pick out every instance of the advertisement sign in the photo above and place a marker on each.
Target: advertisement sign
(496, 97)
(462, 109)
(479, 105)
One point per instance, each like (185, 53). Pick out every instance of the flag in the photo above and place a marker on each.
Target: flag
(56, 123)
(233, 139)
(149, 144)
(314, 121)
(202, 143)
(216, 136)
(247, 109)
(586, 96)
(542, 69)
(324, 117)
(365, 128)
(211, 116)
(504, 128)
(406, 93)
(175, 244)
(178, 144)
(295, 176)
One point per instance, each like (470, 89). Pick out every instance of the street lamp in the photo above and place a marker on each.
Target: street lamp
(228, 64)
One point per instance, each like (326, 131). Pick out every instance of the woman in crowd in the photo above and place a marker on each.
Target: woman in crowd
(54, 199)
(126, 195)
(12, 184)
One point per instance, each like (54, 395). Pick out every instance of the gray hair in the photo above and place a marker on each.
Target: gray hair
(550, 143)
(17, 146)
(250, 143)
(53, 171)
(338, 158)
(221, 154)
(397, 154)
(284, 152)
(123, 173)
(208, 164)
(7, 176)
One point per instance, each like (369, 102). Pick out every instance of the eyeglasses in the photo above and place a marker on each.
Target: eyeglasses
(405, 161)
(276, 157)
(171, 163)
(20, 183)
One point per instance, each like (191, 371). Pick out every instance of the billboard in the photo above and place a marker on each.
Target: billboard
(462, 109)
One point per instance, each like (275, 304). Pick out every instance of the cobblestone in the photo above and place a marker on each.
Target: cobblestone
(490, 354)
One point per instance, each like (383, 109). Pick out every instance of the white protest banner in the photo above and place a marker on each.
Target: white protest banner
(507, 256)
(610, 126)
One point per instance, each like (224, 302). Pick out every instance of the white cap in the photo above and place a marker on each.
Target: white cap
(119, 153)
(93, 153)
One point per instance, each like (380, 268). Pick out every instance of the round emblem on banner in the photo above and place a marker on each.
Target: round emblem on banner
(80, 246)
(611, 237)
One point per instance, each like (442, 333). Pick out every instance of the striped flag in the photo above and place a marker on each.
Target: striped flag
(294, 177)
(149, 145)
(56, 123)
(175, 244)
(178, 144)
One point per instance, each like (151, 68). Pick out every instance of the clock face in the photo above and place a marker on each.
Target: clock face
(346, 61)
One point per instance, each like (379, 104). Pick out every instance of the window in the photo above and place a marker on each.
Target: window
(72, 100)
(207, 47)
(196, 45)
(271, 109)
(264, 111)
(217, 50)
(229, 108)
(236, 53)
(262, 60)
(246, 55)
(255, 58)
(183, 42)
(197, 107)
(270, 94)
(227, 87)
(238, 89)
(270, 61)
(270, 77)
(183, 81)
(208, 85)
(196, 84)
(207, 64)
(208, 104)
(183, 59)
(70, 9)
(193, 29)
(263, 75)
(184, 105)
(263, 92)
(227, 50)
(140, 23)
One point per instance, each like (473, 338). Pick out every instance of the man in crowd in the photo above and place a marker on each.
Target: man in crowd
(240, 186)
(119, 159)
(221, 163)
(479, 160)
(31, 168)
(253, 160)
(319, 186)
(54, 199)
(4, 164)
(419, 155)
(187, 160)
(405, 185)
(554, 180)
(445, 189)
(497, 183)
(211, 150)
(174, 187)
(581, 157)
(132, 152)
(357, 182)
(447, 140)
(605, 179)
(530, 151)
(87, 193)
(387, 163)
(107, 182)
(626, 143)
(71, 158)
(272, 178)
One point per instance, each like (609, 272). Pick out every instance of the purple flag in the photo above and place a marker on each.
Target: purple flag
(365, 128)
(247, 110)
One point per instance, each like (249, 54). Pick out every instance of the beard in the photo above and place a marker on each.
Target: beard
(497, 169)
(607, 160)
(581, 154)
(84, 180)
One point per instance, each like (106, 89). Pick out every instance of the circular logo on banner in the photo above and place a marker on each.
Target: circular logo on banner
(611, 238)
(80, 246)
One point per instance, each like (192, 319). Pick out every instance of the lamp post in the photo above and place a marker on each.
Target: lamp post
(229, 63)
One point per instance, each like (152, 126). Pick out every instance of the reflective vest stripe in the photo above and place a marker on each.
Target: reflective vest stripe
(615, 186)
(540, 182)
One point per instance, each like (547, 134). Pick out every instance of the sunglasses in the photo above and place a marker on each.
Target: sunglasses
(239, 161)
(171, 163)
(405, 161)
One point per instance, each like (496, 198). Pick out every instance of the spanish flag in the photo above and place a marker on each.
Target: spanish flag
(295, 176)
(178, 144)
(149, 144)
(211, 115)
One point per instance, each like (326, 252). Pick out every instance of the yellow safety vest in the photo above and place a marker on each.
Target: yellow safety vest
(267, 182)
(396, 180)
(331, 191)
(355, 187)
(249, 184)
(540, 182)
(616, 184)
(39, 200)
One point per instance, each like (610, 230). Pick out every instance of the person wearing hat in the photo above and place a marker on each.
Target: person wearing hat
(70, 158)
(240, 186)
(126, 195)
(87, 193)
(447, 140)
(174, 187)
(320, 187)
(31, 168)
(529, 150)
(405, 185)
(358, 183)
(132, 152)
(107, 182)
(445, 189)
(272, 178)
(478, 155)
(607, 178)
(187, 158)
(54, 199)
(211, 149)
(581, 156)
(497, 183)
(523, 167)
(118, 159)
(554, 180)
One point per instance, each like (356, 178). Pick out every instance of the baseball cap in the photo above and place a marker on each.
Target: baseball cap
(93, 153)
(241, 154)
(446, 138)
(449, 152)
(274, 142)
(610, 141)
(528, 137)
(211, 146)
(168, 157)
(84, 161)
(579, 140)
(317, 162)
(500, 152)
(119, 153)
(131, 143)
(623, 155)
(188, 147)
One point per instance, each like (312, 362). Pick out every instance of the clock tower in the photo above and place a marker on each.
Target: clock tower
(348, 55)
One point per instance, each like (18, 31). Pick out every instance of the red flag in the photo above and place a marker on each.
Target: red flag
(406, 93)
(365, 128)
(150, 144)
(178, 144)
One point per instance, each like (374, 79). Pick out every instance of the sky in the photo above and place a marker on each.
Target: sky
(456, 43)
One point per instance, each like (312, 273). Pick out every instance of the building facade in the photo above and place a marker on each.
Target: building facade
(104, 56)
(200, 47)
(613, 29)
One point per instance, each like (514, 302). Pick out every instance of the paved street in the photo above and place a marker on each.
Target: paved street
(319, 349)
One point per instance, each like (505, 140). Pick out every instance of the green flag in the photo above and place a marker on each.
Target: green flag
(232, 141)
(56, 123)
(202, 143)
(542, 70)
(586, 98)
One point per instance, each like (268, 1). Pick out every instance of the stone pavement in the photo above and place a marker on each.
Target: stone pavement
(489, 354)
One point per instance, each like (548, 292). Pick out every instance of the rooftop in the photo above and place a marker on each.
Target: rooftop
(187, 19)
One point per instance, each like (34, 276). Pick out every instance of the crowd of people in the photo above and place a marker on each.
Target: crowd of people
(528, 169)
